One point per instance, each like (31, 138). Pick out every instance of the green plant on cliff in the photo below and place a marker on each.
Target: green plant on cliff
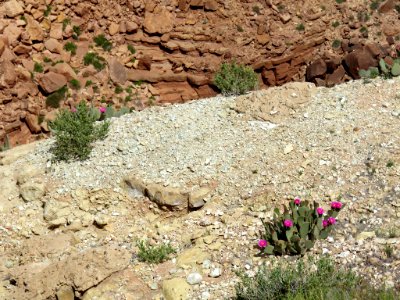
(54, 99)
(6, 144)
(92, 58)
(235, 79)
(154, 254)
(75, 131)
(70, 47)
(101, 41)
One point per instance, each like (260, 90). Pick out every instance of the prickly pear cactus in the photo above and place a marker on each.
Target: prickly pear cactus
(295, 230)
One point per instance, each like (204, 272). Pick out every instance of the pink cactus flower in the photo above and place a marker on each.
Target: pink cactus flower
(262, 243)
(297, 201)
(336, 205)
(325, 223)
(320, 211)
(288, 223)
(331, 220)
(73, 110)
(102, 110)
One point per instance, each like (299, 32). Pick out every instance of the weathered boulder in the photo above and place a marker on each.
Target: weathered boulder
(176, 289)
(51, 82)
(13, 8)
(118, 72)
(160, 23)
(316, 69)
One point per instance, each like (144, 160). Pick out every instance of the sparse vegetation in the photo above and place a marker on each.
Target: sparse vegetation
(77, 32)
(118, 89)
(256, 9)
(65, 23)
(92, 58)
(239, 28)
(235, 79)
(336, 44)
(390, 164)
(335, 24)
(374, 5)
(6, 144)
(318, 280)
(154, 254)
(101, 41)
(38, 68)
(47, 60)
(47, 12)
(75, 131)
(75, 84)
(131, 49)
(340, 1)
(389, 250)
(88, 83)
(70, 47)
(300, 27)
(54, 99)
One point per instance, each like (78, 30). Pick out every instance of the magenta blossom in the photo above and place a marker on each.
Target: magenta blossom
(336, 205)
(73, 110)
(262, 243)
(325, 223)
(288, 223)
(320, 211)
(331, 220)
(297, 201)
(102, 110)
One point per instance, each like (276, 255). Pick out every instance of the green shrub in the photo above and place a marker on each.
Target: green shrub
(38, 68)
(54, 99)
(154, 254)
(47, 11)
(336, 44)
(65, 23)
(92, 58)
(75, 131)
(335, 24)
(6, 144)
(88, 83)
(324, 281)
(75, 84)
(295, 230)
(118, 89)
(70, 47)
(47, 59)
(234, 79)
(77, 32)
(300, 27)
(101, 41)
(131, 49)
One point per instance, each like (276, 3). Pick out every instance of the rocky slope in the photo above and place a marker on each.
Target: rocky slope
(217, 167)
(166, 51)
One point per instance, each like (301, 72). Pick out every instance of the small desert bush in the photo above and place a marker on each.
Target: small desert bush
(235, 79)
(154, 254)
(317, 280)
(71, 47)
(92, 58)
(75, 131)
(101, 41)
